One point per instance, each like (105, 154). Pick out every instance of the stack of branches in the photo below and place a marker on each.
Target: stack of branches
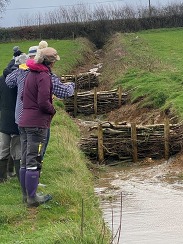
(84, 81)
(106, 101)
(117, 141)
(176, 138)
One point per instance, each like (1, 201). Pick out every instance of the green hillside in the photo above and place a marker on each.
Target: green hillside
(71, 52)
(150, 63)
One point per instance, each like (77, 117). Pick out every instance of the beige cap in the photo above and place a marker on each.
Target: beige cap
(48, 54)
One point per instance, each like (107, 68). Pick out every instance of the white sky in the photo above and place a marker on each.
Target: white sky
(18, 8)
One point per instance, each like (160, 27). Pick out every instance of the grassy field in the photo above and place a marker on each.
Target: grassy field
(70, 52)
(69, 181)
(73, 215)
(150, 63)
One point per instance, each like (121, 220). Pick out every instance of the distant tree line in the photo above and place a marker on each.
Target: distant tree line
(97, 23)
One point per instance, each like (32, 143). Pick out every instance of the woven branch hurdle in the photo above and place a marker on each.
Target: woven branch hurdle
(131, 142)
(83, 81)
(93, 102)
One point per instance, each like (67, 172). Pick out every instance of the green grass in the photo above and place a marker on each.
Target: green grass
(153, 70)
(166, 44)
(71, 52)
(65, 175)
(69, 181)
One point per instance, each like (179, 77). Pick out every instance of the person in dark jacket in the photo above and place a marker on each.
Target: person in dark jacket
(9, 134)
(34, 123)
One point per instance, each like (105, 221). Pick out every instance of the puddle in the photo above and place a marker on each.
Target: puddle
(151, 208)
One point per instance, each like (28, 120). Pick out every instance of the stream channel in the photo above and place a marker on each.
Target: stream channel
(148, 206)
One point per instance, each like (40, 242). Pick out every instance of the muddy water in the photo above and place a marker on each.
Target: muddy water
(150, 208)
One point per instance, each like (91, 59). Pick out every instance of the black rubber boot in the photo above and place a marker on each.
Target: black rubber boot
(17, 168)
(3, 169)
(11, 172)
(31, 183)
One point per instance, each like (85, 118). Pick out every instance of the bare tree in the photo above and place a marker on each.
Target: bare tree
(25, 20)
(3, 4)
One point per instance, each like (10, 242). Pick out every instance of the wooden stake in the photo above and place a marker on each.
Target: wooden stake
(120, 95)
(100, 144)
(95, 101)
(167, 137)
(82, 218)
(89, 80)
(134, 141)
(75, 97)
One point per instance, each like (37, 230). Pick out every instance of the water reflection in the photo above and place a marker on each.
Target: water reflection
(152, 210)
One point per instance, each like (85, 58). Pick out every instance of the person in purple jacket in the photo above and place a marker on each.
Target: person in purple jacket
(38, 112)
(18, 76)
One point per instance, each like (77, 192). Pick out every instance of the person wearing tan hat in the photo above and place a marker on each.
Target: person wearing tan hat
(47, 55)
(38, 112)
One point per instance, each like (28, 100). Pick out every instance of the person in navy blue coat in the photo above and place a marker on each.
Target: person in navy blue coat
(9, 133)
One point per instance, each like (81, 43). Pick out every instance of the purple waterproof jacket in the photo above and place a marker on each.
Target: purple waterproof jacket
(37, 100)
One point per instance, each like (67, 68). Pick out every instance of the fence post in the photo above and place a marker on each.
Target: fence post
(89, 81)
(75, 97)
(134, 142)
(95, 101)
(167, 137)
(119, 96)
(100, 144)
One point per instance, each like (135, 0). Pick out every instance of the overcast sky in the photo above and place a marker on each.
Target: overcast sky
(18, 8)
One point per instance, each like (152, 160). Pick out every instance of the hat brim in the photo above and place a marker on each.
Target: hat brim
(57, 58)
(31, 54)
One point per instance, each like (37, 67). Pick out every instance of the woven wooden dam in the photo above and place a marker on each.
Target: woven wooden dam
(93, 102)
(83, 81)
(131, 142)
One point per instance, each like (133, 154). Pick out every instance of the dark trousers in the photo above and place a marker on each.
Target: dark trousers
(33, 142)
(47, 140)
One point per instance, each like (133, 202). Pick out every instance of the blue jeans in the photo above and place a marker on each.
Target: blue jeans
(33, 142)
